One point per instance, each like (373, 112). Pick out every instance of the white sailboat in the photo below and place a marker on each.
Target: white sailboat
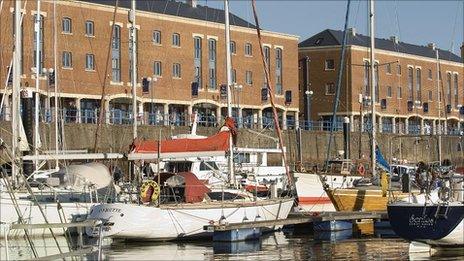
(190, 205)
(61, 196)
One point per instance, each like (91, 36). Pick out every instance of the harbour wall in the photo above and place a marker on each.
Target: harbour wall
(117, 138)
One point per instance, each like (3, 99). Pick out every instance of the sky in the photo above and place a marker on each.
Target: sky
(416, 22)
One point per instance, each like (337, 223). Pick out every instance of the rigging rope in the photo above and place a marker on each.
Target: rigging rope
(271, 96)
(102, 99)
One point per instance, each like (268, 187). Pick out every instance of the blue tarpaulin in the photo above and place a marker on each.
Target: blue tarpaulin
(380, 160)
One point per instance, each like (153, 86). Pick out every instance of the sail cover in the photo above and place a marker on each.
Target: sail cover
(380, 160)
(217, 142)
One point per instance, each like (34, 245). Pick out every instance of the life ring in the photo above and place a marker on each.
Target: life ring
(149, 191)
(361, 169)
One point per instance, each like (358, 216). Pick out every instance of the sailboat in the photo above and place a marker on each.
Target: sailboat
(177, 206)
(60, 196)
(434, 219)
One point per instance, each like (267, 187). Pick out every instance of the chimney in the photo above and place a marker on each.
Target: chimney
(352, 31)
(432, 45)
(394, 39)
(192, 3)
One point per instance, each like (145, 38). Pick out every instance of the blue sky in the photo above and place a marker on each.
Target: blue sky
(417, 22)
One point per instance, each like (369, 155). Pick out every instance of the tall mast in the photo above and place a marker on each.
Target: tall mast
(229, 86)
(438, 104)
(15, 88)
(55, 53)
(373, 83)
(37, 83)
(134, 69)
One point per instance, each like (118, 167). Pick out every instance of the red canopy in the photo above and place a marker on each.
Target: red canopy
(195, 190)
(217, 142)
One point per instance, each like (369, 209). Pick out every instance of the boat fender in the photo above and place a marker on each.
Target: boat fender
(149, 191)
(361, 169)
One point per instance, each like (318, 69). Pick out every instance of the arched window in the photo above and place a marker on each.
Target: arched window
(116, 54)
(418, 84)
(212, 64)
(278, 72)
(89, 28)
(66, 25)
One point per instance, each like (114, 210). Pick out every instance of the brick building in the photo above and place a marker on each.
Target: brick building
(407, 89)
(178, 43)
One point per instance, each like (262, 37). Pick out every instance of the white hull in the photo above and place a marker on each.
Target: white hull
(130, 221)
(32, 215)
(311, 194)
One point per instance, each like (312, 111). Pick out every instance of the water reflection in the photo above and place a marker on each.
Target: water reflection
(274, 246)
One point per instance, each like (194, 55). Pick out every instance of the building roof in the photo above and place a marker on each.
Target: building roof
(331, 37)
(180, 9)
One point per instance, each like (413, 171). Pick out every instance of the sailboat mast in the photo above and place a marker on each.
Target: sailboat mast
(229, 89)
(438, 104)
(134, 69)
(373, 83)
(55, 53)
(37, 84)
(15, 89)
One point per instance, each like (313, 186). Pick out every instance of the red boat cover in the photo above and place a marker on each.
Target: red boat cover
(217, 142)
(195, 190)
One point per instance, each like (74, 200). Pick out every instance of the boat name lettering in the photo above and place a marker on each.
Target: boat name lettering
(110, 210)
(421, 222)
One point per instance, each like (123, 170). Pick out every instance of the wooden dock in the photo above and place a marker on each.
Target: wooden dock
(298, 218)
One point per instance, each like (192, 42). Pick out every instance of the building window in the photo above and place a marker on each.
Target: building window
(116, 54)
(279, 89)
(234, 76)
(329, 64)
(389, 91)
(249, 77)
(157, 69)
(176, 70)
(448, 92)
(176, 39)
(41, 44)
(388, 68)
(366, 78)
(136, 46)
(410, 83)
(398, 69)
(233, 47)
(430, 96)
(418, 85)
(248, 49)
(330, 88)
(156, 37)
(456, 91)
(66, 25)
(89, 28)
(430, 76)
(212, 64)
(399, 94)
(67, 59)
(90, 62)
(377, 86)
(197, 60)
(267, 58)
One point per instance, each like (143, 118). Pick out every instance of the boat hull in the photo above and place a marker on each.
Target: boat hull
(419, 222)
(31, 214)
(361, 199)
(183, 221)
(311, 194)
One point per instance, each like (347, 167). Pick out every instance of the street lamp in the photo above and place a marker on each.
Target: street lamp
(48, 72)
(308, 108)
